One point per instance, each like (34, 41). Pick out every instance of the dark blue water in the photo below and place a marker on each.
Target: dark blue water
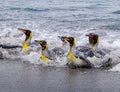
(61, 11)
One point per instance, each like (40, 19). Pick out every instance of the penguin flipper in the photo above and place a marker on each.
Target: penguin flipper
(10, 46)
(89, 64)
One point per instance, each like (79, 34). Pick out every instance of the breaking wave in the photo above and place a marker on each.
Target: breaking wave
(50, 19)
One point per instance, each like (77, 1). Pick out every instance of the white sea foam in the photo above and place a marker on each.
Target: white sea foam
(116, 68)
(53, 41)
(49, 19)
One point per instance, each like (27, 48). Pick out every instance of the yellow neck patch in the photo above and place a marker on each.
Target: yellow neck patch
(75, 42)
(25, 46)
(70, 57)
(44, 58)
(30, 35)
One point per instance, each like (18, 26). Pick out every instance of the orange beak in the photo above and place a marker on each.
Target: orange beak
(66, 38)
(23, 30)
(39, 42)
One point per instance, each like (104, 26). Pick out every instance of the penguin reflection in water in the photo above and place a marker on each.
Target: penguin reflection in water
(73, 59)
(49, 56)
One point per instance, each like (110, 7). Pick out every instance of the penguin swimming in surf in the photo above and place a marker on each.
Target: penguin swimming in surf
(74, 59)
(47, 55)
(27, 41)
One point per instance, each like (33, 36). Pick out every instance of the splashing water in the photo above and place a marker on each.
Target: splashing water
(48, 19)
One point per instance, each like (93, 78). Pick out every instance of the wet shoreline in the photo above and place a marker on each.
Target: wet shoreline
(18, 76)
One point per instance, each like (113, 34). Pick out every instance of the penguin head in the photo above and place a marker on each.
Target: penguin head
(70, 40)
(28, 33)
(93, 39)
(93, 36)
(62, 39)
(43, 44)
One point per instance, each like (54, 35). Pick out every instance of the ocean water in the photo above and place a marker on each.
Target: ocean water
(48, 19)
